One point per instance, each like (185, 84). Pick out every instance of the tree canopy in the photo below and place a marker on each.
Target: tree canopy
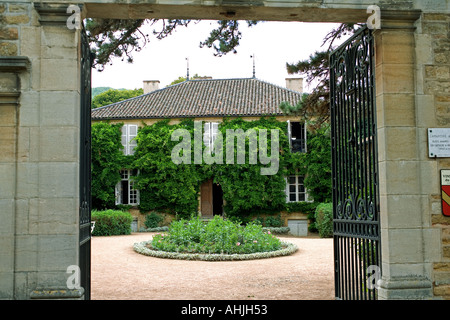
(114, 95)
(120, 38)
(111, 38)
(316, 105)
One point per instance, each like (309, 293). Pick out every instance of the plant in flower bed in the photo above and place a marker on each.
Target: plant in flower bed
(218, 239)
(216, 236)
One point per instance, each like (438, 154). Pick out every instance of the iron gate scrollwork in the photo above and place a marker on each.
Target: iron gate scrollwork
(356, 222)
(85, 168)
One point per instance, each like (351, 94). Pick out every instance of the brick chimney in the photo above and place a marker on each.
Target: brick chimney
(150, 85)
(295, 84)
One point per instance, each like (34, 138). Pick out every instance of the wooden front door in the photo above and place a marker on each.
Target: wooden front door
(206, 194)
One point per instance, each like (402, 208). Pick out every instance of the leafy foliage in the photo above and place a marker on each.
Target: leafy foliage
(226, 37)
(163, 184)
(119, 38)
(114, 95)
(174, 188)
(316, 106)
(324, 220)
(182, 79)
(245, 190)
(153, 220)
(111, 222)
(217, 236)
(107, 160)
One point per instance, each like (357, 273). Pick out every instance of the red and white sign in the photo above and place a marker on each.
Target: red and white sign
(445, 190)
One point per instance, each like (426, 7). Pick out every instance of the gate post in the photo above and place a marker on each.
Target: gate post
(404, 232)
(40, 122)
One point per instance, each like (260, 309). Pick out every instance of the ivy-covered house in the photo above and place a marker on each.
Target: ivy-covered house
(149, 179)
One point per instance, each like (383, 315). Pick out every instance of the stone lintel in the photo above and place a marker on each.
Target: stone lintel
(10, 67)
(53, 13)
(399, 19)
(14, 64)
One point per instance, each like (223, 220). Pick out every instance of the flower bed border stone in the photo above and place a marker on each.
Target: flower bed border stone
(142, 248)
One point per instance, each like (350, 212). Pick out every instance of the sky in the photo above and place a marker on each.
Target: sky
(273, 44)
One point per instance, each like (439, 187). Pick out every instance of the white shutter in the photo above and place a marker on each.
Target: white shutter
(289, 134)
(207, 135)
(287, 189)
(118, 191)
(305, 139)
(124, 139)
(132, 133)
(214, 130)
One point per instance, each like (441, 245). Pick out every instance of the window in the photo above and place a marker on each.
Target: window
(297, 136)
(210, 134)
(125, 193)
(295, 189)
(129, 132)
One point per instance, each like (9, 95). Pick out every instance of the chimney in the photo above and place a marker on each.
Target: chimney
(295, 84)
(150, 85)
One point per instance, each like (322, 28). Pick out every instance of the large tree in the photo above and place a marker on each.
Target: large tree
(316, 104)
(121, 37)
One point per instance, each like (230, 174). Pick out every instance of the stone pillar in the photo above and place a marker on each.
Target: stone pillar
(406, 178)
(10, 70)
(39, 152)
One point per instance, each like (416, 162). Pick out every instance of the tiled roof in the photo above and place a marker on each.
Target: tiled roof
(203, 98)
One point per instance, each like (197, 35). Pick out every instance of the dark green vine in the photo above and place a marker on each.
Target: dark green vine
(174, 188)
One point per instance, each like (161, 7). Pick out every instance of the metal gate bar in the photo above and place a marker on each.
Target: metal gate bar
(85, 168)
(356, 223)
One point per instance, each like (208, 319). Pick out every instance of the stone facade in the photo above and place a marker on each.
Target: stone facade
(39, 122)
(433, 105)
(39, 152)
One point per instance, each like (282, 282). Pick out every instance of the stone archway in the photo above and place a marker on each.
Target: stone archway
(40, 99)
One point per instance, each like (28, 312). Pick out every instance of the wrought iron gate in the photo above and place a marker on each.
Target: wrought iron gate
(356, 220)
(85, 168)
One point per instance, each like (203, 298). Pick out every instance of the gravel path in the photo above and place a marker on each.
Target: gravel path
(119, 273)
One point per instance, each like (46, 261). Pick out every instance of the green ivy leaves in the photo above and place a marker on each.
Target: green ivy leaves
(170, 187)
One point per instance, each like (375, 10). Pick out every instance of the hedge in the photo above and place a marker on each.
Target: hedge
(111, 222)
(324, 220)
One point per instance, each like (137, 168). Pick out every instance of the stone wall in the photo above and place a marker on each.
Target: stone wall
(433, 107)
(39, 151)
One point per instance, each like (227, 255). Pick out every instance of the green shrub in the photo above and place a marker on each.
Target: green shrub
(153, 220)
(324, 220)
(216, 236)
(111, 222)
(273, 221)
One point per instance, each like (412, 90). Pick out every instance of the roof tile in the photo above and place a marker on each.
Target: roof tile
(200, 98)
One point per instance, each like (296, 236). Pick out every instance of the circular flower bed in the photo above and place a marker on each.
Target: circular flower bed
(216, 240)
(146, 249)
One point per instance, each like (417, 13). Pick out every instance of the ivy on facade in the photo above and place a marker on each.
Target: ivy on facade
(174, 188)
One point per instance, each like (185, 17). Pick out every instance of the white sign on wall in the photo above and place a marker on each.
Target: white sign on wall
(439, 142)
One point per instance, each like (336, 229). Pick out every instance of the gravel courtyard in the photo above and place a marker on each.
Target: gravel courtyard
(119, 273)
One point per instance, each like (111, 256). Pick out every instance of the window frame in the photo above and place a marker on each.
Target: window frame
(297, 188)
(127, 138)
(210, 132)
(126, 175)
(305, 143)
